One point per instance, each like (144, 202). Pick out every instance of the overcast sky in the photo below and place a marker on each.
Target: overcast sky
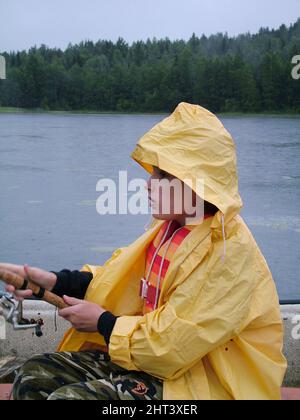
(25, 23)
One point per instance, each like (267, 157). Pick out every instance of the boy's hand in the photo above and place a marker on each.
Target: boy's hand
(41, 277)
(82, 315)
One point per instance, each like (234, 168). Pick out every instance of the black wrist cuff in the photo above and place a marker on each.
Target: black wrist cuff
(105, 326)
(72, 283)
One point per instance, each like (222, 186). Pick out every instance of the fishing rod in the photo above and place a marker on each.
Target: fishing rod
(12, 311)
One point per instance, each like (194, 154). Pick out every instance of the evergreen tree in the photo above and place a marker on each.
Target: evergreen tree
(247, 73)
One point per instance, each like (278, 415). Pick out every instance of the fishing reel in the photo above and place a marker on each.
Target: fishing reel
(12, 312)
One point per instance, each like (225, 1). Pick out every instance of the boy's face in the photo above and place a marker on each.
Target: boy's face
(170, 198)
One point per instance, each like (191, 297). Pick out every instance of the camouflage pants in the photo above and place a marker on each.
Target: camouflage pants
(82, 376)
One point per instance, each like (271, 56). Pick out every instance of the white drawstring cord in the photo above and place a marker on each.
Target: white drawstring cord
(161, 266)
(157, 251)
(145, 281)
(224, 238)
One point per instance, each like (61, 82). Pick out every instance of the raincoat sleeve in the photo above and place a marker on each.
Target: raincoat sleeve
(194, 321)
(93, 269)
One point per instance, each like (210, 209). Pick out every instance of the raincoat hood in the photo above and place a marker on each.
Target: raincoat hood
(192, 143)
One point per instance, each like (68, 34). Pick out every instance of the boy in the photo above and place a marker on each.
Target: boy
(189, 310)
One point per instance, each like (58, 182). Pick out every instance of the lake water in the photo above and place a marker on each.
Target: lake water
(50, 165)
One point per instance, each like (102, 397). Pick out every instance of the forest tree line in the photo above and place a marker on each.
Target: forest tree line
(247, 73)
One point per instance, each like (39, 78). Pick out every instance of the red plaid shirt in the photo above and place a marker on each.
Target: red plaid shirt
(177, 239)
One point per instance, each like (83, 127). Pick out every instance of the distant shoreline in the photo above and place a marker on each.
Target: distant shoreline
(12, 110)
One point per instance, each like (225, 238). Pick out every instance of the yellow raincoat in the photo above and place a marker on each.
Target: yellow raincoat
(217, 332)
